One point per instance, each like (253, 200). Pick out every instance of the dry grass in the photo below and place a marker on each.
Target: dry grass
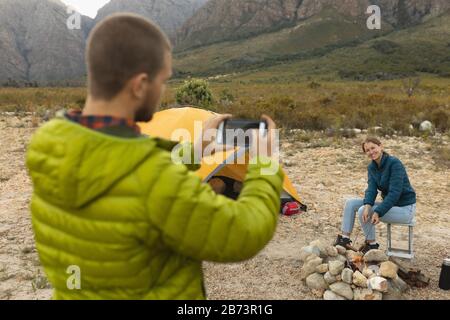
(322, 106)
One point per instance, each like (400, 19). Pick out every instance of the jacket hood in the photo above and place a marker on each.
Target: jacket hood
(71, 165)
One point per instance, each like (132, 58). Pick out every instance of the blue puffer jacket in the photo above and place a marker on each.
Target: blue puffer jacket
(393, 182)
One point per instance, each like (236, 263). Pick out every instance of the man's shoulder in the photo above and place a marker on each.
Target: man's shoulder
(161, 158)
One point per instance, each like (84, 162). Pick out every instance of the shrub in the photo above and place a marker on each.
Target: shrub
(441, 119)
(195, 92)
(385, 46)
(314, 85)
(226, 98)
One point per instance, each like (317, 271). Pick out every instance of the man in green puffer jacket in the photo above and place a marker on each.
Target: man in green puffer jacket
(114, 217)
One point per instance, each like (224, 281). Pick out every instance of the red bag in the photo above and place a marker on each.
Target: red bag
(291, 208)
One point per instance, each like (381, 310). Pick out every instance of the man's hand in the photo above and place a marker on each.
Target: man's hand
(375, 218)
(267, 140)
(211, 124)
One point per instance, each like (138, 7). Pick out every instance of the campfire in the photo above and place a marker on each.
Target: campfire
(334, 273)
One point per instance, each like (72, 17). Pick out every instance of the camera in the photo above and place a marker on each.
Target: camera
(237, 132)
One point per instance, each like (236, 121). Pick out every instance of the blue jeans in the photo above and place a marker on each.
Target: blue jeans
(395, 215)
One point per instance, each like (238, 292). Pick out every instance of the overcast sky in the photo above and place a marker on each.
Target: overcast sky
(87, 7)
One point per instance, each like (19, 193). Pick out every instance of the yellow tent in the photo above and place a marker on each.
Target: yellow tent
(166, 124)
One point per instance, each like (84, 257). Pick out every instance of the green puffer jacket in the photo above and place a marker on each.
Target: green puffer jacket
(137, 225)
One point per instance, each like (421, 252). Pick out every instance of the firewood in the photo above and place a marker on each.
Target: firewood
(412, 276)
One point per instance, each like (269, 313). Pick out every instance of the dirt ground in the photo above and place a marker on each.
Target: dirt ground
(324, 176)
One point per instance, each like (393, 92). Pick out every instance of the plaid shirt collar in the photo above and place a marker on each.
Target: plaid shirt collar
(101, 122)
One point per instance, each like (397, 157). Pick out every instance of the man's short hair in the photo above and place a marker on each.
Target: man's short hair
(120, 47)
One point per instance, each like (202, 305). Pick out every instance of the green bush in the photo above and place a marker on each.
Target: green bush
(385, 46)
(226, 97)
(195, 92)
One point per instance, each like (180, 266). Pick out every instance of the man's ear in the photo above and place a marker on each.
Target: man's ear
(139, 84)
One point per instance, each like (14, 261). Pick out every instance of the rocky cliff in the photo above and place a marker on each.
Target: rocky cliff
(35, 43)
(221, 20)
(168, 14)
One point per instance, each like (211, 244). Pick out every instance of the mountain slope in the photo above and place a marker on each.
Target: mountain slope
(317, 35)
(35, 43)
(424, 48)
(168, 14)
(224, 20)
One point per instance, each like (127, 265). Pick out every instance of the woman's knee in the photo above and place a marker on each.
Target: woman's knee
(360, 211)
(353, 203)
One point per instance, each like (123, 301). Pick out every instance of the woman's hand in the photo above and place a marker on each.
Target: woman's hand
(375, 218)
(366, 213)
(365, 216)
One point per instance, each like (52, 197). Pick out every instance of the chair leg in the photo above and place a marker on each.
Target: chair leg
(409, 254)
(411, 239)
(389, 242)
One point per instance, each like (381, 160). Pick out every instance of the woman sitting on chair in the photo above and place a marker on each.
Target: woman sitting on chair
(387, 174)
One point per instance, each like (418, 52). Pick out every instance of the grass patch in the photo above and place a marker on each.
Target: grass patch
(40, 282)
(334, 107)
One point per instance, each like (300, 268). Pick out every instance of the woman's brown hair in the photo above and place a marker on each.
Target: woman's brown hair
(371, 140)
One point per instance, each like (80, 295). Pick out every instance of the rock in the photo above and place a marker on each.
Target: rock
(400, 284)
(305, 252)
(335, 267)
(330, 295)
(316, 281)
(342, 289)
(359, 279)
(392, 293)
(375, 269)
(375, 255)
(341, 249)
(388, 269)
(378, 284)
(396, 288)
(367, 294)
(168, 15)
(322, 245)
(329, 278)
(310, 267)
(332, 251)
(217, 18)
(347, 275)
(339, 277)
(377, 128)
(426, 126)
(367, 272)
(311, 256)
(339, 257)
(322, 268)
(318, 293)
